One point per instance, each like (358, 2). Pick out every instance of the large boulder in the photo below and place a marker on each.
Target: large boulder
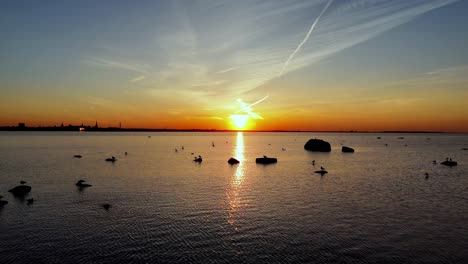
(317, 145)
(347, 149)
(20, 190)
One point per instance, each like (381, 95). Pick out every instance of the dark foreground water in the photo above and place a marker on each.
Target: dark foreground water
(374, 206)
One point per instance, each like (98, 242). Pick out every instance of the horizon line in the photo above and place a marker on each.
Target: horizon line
(118, 129)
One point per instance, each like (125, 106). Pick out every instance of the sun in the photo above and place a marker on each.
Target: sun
(239, 121)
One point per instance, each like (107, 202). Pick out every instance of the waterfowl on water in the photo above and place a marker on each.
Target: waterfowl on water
(198, 159)
(111, 159)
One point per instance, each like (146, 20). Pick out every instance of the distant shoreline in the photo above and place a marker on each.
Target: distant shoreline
(113, 129)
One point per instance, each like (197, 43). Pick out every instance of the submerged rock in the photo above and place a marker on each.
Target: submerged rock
(233, 161)
(20, 190)
(347, 149)
(30, 201)
(266, 160)
(81, 184)
(317, 145)
(2, 203)
(106, 206)
(77, 156)
(321, 172)
(449, 163)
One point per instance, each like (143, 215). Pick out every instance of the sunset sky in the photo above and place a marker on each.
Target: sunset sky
(368, 65)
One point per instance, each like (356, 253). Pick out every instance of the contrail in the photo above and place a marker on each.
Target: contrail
(248, 107)
(305, 39)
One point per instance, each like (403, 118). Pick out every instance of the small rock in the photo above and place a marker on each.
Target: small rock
(321, 172)
(20, 190)
(347, 149)
(30, 201)
(266, 160)
(449, 163)
(106, 206)
(233, 161)
(81, 184)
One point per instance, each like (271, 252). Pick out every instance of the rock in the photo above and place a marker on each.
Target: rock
(347, 149)
(106, 206)
(233, 161)
(30, 201)
(20, 190)
(2, 203)
(77, 156)
(81, 184)
(464, 149)
(317, 145)
(321, 172)
(266, 160)
(449, 163)
(22, 182)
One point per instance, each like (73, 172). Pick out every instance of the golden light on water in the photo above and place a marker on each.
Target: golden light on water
(234, 192)
(239, 155)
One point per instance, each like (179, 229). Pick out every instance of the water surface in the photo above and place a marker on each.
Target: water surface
(374, 205)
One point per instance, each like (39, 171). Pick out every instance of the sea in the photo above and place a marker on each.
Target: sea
(375, 205)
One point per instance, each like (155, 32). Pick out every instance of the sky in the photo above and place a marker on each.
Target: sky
(362, 65)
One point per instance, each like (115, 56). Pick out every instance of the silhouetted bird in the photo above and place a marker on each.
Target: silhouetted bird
(322, 168)
(113, 159)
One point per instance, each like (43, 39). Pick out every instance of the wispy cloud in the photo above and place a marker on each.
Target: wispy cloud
(249, 43)
(138, 78)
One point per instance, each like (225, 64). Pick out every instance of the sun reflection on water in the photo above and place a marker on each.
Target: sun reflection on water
(234, 191)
